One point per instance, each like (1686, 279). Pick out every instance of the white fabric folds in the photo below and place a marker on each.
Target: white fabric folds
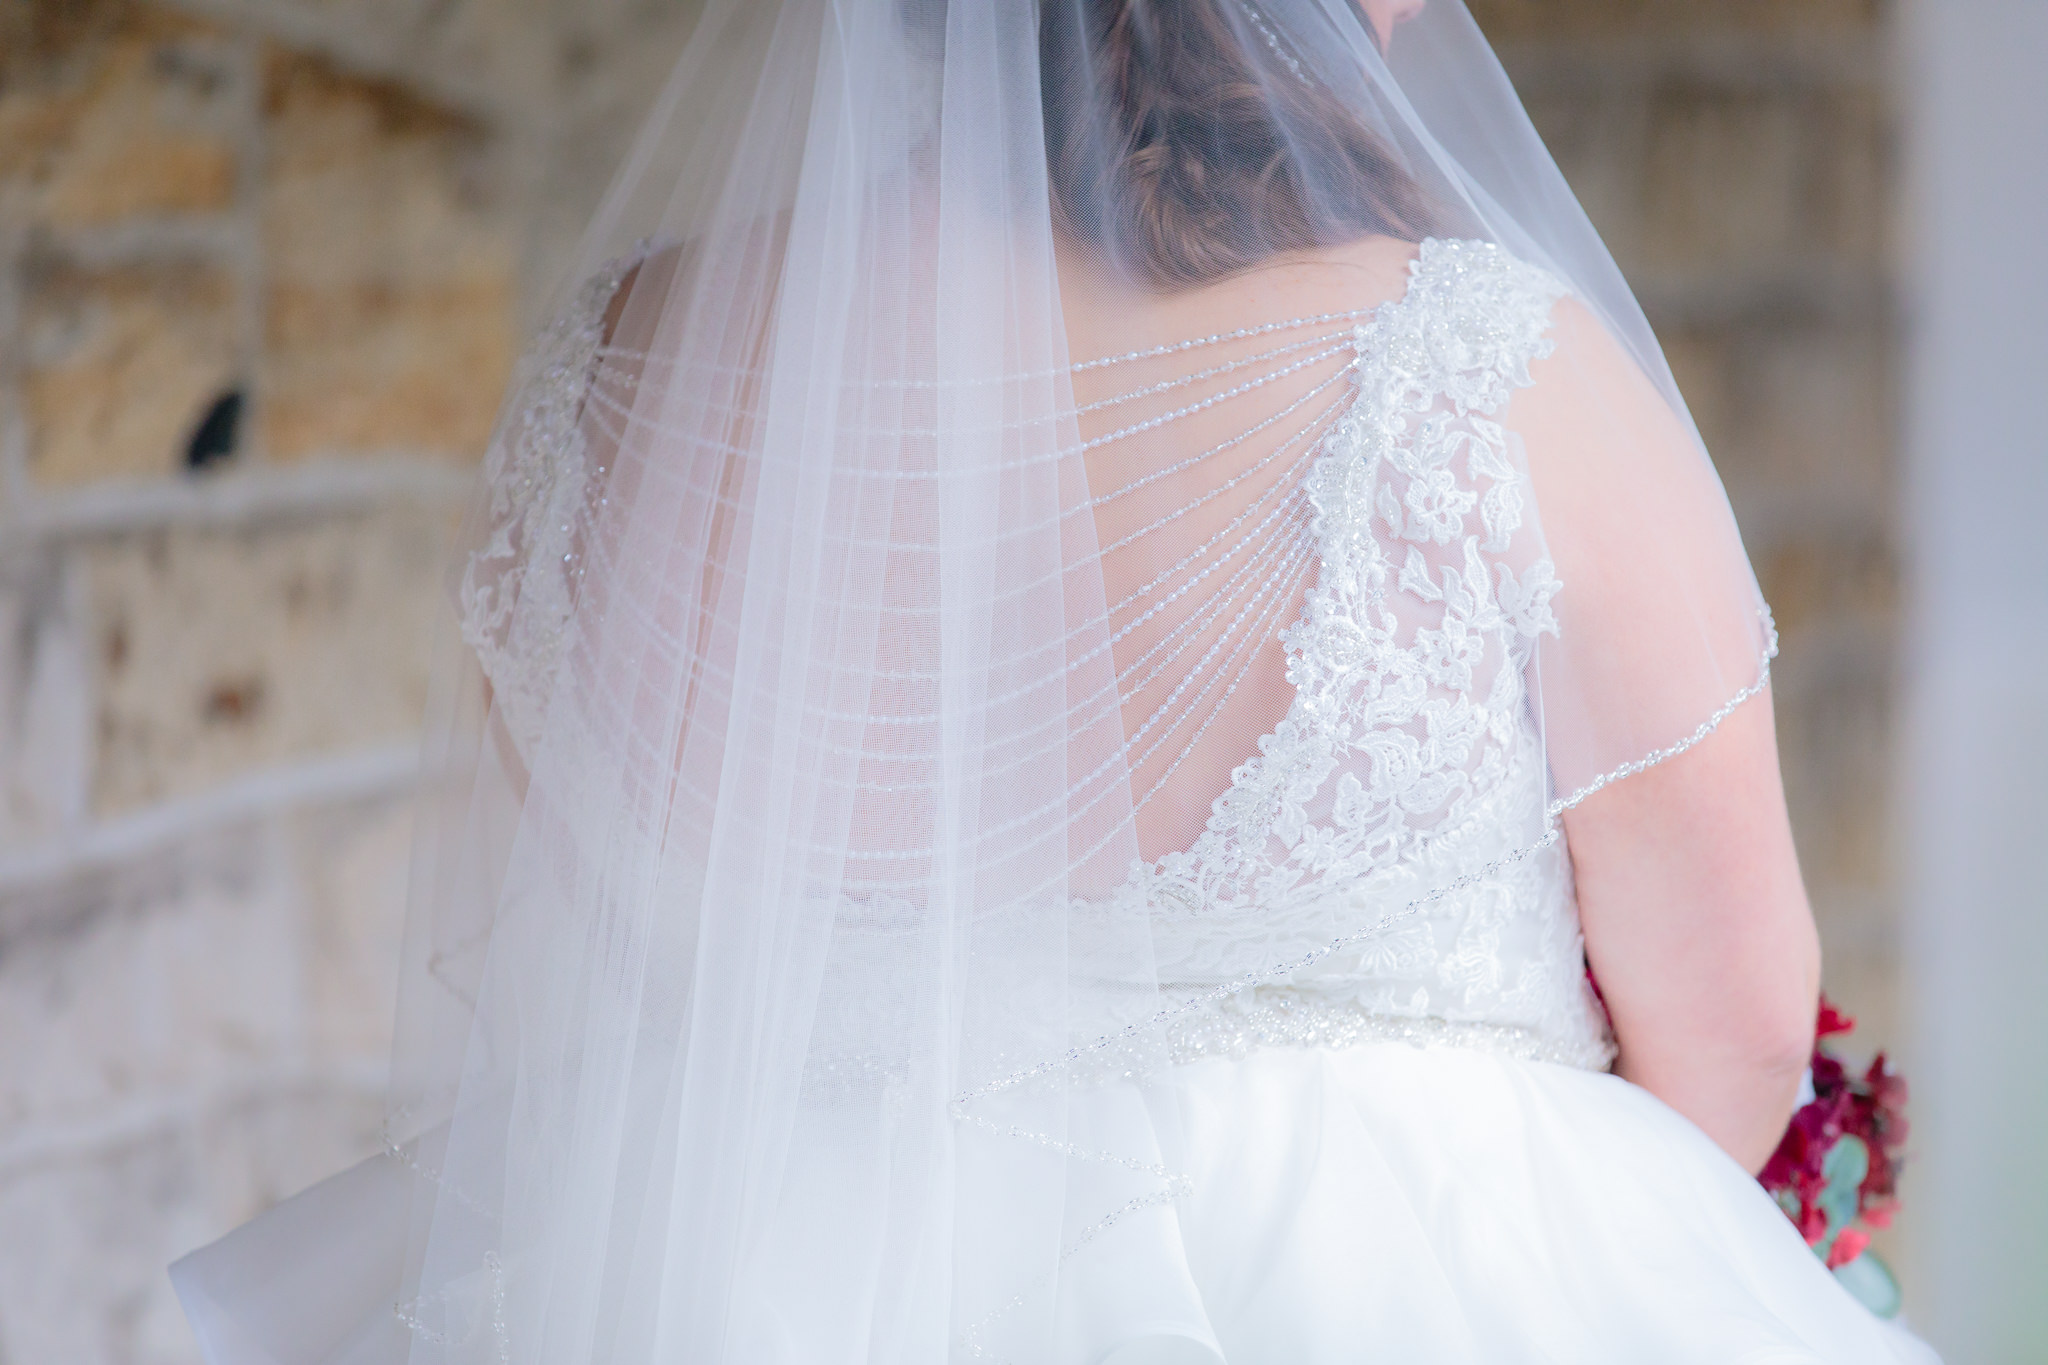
(1381, 1202)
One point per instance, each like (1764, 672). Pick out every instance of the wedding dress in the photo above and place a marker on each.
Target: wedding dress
(949, 845)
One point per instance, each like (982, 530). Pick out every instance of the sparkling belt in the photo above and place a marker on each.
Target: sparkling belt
(1286, 1017)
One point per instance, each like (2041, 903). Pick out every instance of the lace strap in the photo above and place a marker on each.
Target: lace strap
(1416, 467)
(519, 586)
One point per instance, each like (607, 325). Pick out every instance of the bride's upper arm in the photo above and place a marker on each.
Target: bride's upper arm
(1696, 920)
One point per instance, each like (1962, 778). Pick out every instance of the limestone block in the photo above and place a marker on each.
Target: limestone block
(111, 110)
(45, 698)
(1596, 137)
(1512, 21)
(354, 860)
(1820, 419)
(226, 649)
(1742, 179)
(1799, 416)
(120, 364)
(85, 1235)
(83, 1244)
(1724, 180)
(390, 283)
(507, 51)
(1836, 702)
(615, 59)
(268, 1145)
(1831, 576)
(180, 976)
(1851, 172)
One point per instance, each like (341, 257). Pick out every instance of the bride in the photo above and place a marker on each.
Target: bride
(1106, 711)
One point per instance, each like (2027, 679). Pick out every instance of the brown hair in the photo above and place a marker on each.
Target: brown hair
(1184, 145)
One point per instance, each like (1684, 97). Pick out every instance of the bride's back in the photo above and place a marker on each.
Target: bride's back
(1202, 407)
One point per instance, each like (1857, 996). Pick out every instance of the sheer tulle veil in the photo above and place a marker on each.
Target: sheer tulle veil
(831, 650)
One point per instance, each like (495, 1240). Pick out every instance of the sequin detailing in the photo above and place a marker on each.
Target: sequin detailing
(518, 588)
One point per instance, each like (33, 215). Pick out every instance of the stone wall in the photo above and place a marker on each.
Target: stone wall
(325, 223)
(264, 265)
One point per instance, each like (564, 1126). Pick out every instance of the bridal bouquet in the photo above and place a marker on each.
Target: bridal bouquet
(1835, 1172)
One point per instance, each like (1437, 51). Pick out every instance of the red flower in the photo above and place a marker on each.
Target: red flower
(1847, 1247)
(1813, 1224)
(1870, 1108)
(1829, 1076)
(1883, 1128)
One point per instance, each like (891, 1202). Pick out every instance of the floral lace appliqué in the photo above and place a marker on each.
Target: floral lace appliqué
(1408, 756)
(541, 486)
(1410, 670)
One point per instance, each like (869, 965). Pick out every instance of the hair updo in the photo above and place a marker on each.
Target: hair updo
(1184, 144)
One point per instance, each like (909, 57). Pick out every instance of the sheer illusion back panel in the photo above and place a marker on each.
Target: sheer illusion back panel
(1201, 411)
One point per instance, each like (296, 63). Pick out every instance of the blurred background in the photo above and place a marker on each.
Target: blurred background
(265, 265)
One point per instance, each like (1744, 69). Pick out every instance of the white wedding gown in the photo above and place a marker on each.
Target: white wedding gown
(1409, 1151)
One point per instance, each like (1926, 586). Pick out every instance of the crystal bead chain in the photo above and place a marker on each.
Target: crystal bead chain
(1101, 362)
(1227, 592)
(1286, 572)
(1169, 599)
(1196, 377)
(1207, 548)
(1186, 642)
(696, 436)
(1273, 527)
(1279, 600)
(1203, 405)
(1063, 805)
(1218, 338)
(707, 491)
(1180, 641)
(1049, 419)
(1308, 453)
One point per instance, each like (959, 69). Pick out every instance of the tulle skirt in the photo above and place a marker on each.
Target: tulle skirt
(1390, 1203)
(1382, 1202)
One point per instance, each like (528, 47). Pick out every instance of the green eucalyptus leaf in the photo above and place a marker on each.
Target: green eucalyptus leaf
(1872, 1284)
(1847, 1163)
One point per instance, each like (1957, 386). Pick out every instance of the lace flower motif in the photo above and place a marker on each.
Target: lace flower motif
(518, 589)
(1400, 676)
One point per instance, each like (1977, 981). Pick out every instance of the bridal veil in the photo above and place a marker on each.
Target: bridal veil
(842, 654)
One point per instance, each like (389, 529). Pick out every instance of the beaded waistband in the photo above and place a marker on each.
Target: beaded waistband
(1302, 1019)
